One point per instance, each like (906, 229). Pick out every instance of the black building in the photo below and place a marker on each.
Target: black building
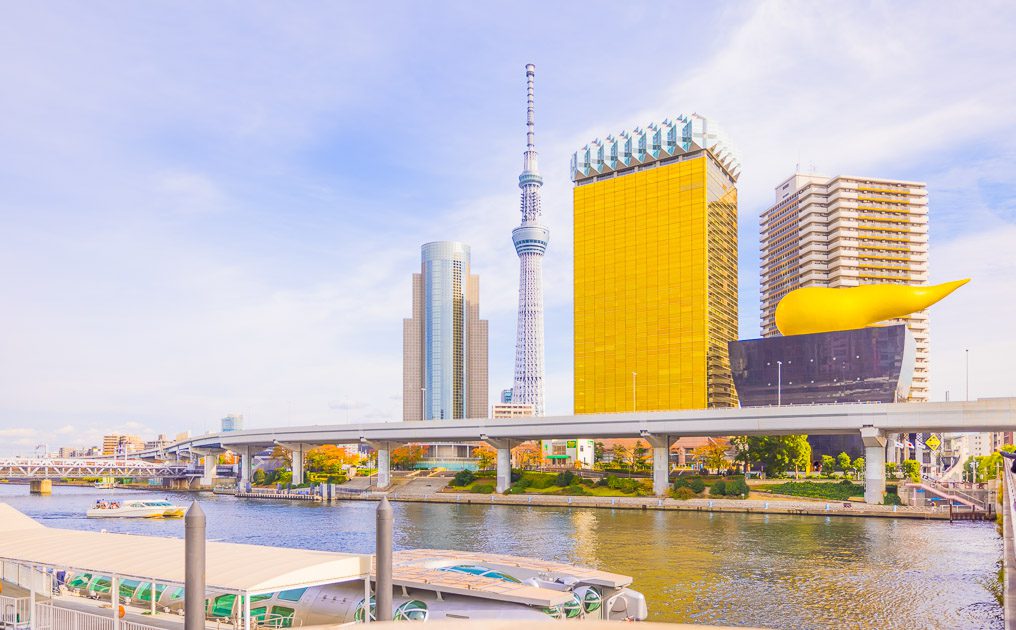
(849, 366)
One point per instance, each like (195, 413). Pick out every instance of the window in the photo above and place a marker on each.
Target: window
(145, 592)
(100, 584)
(293, 595)
(80, 581)
(127, 588)
(413, 610)
(222, 607)
(281, 617)
(358, 615)
(259, 613)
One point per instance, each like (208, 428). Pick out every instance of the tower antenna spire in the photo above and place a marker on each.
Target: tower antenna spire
(530, 240)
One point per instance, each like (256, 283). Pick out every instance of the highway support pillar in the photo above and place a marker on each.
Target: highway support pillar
(40, 486)
(661, 462)
(874, 464)
(245, 467)
(211, 463)
(298, 451)
(384, 462)
(504, 462)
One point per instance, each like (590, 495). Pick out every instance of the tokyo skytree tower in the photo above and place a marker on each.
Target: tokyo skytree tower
(530, 240)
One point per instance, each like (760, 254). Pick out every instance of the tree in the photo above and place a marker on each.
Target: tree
(527, 455)
(408, 456)
(486, 457)
(259, 478)
(598, 451)
(330, 459)
(779, 453)
(858, 465)
(890, 470)
(843, 462)
(828, 464)
(911, 469)
(620, 454)
(284, 456)
(741, 448)
(638, 455)
(712, 454)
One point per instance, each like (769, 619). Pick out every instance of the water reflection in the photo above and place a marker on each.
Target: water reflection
(735, 569)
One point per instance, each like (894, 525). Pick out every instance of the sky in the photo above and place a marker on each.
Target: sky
(209, 208)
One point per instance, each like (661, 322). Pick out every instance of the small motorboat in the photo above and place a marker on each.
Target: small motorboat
(135, 509)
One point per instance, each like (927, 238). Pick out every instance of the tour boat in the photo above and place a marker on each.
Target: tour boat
(136, 509)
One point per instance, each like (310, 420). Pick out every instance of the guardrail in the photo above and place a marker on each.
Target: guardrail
(14, 611)
(50, 617)
(1008, 511)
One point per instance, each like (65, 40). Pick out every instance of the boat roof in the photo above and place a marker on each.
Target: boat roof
(409, 569)
(586, 574)
(229, 566)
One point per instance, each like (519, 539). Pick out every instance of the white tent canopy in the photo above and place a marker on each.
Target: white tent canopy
(230, 567)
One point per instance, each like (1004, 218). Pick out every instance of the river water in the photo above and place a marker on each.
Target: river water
(728, 569)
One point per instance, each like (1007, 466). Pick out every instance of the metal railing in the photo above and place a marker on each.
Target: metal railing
(50, 617)
(14, 611)
(1008, 511)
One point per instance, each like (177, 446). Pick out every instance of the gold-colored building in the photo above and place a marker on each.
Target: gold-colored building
(655, 269)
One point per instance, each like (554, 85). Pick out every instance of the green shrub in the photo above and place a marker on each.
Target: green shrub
(891, 498)
(834, 491)
(683, 494)
(737, 487)
(337, 479)
(463, 478)
(697, 485)
(681, 482)
(602, 483)
(585, 481)
(564, 479)
(718, 489)
(574, 490)
(482, 488)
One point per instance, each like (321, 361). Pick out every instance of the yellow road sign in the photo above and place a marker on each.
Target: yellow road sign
(933, 442)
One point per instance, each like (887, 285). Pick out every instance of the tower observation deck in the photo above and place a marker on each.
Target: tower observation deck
(530, 240)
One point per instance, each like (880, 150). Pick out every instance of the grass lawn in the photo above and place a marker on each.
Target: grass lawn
(473, 487)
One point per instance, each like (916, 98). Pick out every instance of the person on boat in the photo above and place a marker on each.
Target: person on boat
(1012, 456)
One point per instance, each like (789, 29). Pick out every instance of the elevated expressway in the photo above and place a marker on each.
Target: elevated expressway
(875, 423)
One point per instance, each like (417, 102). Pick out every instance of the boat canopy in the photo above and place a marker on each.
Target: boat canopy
(251, 569)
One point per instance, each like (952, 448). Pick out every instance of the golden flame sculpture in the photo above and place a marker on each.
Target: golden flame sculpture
(819, 309)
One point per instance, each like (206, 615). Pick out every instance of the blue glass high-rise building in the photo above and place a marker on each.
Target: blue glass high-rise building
(445, 341)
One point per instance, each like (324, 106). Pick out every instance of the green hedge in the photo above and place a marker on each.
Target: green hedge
(834, 491)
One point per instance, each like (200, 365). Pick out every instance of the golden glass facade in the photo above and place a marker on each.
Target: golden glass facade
(655, 288)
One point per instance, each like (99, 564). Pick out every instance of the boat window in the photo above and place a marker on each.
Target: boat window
(100, 584)
(127, 588)
(292, 595)
(281, 617)
(223, 605)
(259, 613)
(177, 594)
(358, 615)
(80, 581)
(472, 569)
(144, 593)
(413, 610)
(260, 598)
(573, 608)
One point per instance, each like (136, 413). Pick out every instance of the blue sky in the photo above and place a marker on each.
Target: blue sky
(211, 208)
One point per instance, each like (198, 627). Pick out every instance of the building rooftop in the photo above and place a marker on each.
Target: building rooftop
(655, 143)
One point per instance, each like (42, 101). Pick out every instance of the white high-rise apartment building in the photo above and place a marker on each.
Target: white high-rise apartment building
(844, 232)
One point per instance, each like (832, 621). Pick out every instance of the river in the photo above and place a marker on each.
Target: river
(727, 569)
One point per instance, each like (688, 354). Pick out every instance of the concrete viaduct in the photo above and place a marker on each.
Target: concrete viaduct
(875, 423)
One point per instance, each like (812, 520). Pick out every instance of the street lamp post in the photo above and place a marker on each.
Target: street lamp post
(779, 383)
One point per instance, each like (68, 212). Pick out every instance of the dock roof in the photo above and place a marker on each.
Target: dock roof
(229, 566)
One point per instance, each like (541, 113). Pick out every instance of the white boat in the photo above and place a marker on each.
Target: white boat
(430, 584)
(135, 509)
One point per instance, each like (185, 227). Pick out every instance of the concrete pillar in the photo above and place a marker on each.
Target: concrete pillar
(245, 467)
(504, 462)
(661, 462)
(41, 486)
(384, 467)
(211, 462)
(874, 465)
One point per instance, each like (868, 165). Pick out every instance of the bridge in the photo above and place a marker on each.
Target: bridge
(40, 471)
(877, 424)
